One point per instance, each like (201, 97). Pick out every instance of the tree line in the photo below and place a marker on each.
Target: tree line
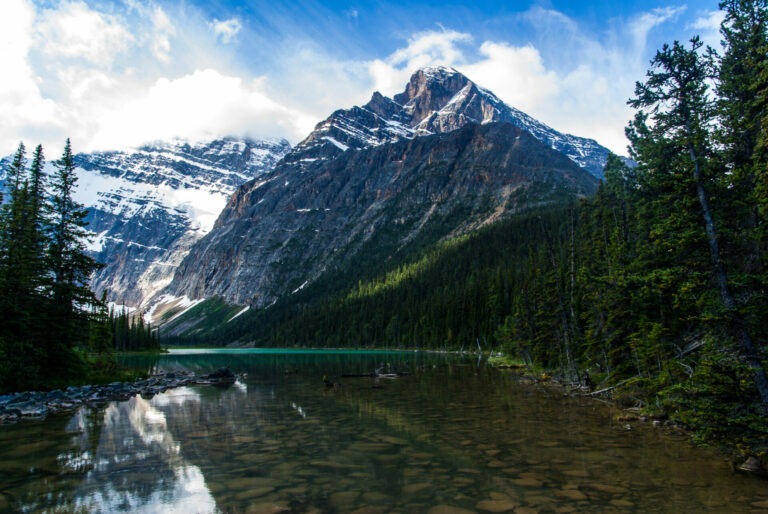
(53, 329)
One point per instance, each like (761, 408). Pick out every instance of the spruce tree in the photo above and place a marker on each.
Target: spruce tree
(70, 266)
(740, 114)
(101, 336)
(678, 157)
(20, 354)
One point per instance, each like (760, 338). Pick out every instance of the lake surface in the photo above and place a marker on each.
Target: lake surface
(454, 436)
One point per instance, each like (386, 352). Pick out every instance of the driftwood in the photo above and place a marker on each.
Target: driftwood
(690, 348)
(601, 391)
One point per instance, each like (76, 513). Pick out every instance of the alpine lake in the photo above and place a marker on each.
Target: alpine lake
(453, 436)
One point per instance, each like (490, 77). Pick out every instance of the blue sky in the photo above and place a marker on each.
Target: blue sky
(118, 73)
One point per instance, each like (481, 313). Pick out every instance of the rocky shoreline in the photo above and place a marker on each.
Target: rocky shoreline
(36, 405)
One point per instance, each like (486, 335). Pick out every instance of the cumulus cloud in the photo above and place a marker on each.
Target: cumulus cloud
(198, 106)
(517, 74)
(112, 80)
(101, 106)
(582, 90)
(435, 47)
(23, 108)
(226, 30)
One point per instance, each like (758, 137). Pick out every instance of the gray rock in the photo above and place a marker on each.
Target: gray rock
(288, 236)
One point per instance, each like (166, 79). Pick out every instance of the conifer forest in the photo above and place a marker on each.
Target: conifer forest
(54, 330)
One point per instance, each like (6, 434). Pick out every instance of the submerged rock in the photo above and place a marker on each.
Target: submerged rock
(497, 505)
(751, 465)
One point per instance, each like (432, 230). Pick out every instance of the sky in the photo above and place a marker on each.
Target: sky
(117, 74)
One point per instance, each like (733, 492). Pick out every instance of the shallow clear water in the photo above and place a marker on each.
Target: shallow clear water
(453, 435)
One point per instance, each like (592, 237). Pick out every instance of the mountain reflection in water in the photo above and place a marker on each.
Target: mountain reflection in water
(137, 465)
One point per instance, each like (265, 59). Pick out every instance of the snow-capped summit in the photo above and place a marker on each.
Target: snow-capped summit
(436, 100)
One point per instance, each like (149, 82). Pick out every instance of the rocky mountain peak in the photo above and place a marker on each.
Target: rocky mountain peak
(436, 100)
(429, 90)
(149, 205)
(383, 106)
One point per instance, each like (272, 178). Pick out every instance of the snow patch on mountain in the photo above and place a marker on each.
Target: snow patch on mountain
(128, 198)
(149, 205)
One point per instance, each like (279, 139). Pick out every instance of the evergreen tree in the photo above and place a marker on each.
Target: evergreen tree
(20, 350)
(101, 337)
(676, 93)
(740, 114)
(70, 266)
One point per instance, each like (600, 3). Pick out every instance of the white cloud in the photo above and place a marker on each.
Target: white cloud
(226, 30)
(104, 107)
(516, 74)
(75, 31)
(146, 73)
(164, 29)
(707, 25)
(198, 106)
(709, 21)
(643, 24)
(23, 110)
(424, 49)
(582, 90)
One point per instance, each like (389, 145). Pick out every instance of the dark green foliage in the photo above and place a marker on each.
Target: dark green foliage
(51, 321)
(131, 334)
(101, 339)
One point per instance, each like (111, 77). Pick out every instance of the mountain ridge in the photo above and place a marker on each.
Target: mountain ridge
(437, 99)
(283, 231)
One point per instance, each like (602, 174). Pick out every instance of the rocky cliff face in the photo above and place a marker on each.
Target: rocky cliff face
(148, 206)
(312, 214)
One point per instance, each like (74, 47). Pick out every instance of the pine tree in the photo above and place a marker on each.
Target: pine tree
(19, 351)
(70, 266)
(740, 114)
(676, 93)
(101, 337)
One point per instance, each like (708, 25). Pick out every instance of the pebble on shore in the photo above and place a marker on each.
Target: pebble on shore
(32, 405)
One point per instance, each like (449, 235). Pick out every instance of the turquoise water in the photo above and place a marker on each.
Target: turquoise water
(454, 436)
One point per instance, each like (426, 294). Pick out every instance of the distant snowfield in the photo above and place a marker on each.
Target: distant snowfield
(128, 198)
(167, 302)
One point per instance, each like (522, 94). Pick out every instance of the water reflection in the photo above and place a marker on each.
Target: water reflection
(451, 435)
(138, 464)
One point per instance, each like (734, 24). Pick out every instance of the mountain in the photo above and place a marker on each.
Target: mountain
(441, 158)
(149, 205)
(314, 214)
(435, 100)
